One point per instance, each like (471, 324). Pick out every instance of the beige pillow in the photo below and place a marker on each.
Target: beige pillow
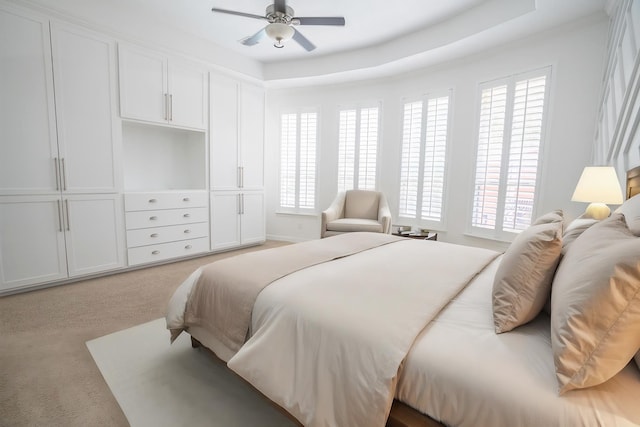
(574, 230)
(523, 281)
(638, 359)
(631, 211)
(553, 216)
(595, 305)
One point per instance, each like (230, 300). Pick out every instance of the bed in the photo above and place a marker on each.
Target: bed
(373, 329)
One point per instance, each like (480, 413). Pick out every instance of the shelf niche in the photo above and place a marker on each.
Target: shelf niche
(158, 158)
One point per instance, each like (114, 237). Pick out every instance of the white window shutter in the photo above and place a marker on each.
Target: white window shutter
(435, 150)
(298, 140)
(346, 150)
(509, 143)
(410, 166)
(368, 155)
(358, 148)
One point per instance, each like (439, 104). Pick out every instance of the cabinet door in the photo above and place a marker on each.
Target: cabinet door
(143, 85)
(31, 241)
(252, 136)
(84, 67)
(223, 132)
(27, 115)
(187, 95)
(94, 233)
(225, 220)
(252, 218)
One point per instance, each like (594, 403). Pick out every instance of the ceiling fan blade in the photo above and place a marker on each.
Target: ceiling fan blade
(280, 6)
(233, 12)
(303, 41)
(254, 39)
(325, 20)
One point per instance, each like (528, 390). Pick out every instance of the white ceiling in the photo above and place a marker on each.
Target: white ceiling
(378, 35)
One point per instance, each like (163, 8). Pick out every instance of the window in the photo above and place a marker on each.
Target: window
(509, 144)
(423, 161)
(298, 140)
(358, 148)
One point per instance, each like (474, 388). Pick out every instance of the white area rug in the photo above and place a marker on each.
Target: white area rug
(157, 384)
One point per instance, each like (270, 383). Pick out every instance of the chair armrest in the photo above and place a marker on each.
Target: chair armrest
(384, 214)
(333, 212)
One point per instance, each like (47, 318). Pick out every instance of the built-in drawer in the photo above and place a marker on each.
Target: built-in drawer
(164, 200)
(164, 251)
(161, 218)
(155, 235)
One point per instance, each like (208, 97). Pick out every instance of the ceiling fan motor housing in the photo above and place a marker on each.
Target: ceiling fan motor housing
(274, 16)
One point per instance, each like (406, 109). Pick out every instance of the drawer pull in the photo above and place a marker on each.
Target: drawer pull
(186, 215)
(153, 218)
(153, 200)
(155, 252)
(187, 231)
(154, 235)
(188, 247)
(186, 199)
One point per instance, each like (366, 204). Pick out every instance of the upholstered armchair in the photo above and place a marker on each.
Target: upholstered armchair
(356, 210)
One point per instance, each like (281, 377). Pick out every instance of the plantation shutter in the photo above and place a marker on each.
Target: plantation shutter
(368, 158)
(358, 149)
(435, 146)
(526, 134)
(410, 166)
(288, 160)
(509, 144)
(346, 150)
(493, 110)
(298, 140)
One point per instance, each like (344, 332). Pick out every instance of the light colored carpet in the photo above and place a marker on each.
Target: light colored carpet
(47, 376)
(158, 384)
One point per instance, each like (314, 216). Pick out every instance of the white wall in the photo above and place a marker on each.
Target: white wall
(617, 141)
(575, 52)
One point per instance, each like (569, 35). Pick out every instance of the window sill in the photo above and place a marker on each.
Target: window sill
(485, 237)
(313, 214)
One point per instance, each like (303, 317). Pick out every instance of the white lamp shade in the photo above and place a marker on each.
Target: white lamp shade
(279, 32)
(598, 184)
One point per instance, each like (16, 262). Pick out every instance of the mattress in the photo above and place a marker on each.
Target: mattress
(460, 372)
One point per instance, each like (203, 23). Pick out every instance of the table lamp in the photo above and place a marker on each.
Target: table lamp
(599, 186)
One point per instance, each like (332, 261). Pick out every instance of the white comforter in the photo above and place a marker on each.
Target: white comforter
(328, 340)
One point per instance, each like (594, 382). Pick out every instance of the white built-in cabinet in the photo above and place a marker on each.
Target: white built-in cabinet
(158, 89)
(236, 138)
(60, 211)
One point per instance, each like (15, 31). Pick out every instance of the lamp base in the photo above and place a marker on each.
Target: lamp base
(597, 211)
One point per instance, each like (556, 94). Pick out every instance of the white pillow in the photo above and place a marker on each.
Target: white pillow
(595, 305)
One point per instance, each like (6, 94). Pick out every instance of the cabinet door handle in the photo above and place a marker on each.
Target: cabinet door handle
(239, 180)
(241, 176)
(153, 200)
(153, 235)
(155, 252)
(239, 208)
(66, 204)
(170, 107)
(55, 164)
(242, 198)
(188, 247)
(187, 231)
(63, 172)
(186, 215)
(186, 199)
(153, 218)
(166, 107)
(59, 216)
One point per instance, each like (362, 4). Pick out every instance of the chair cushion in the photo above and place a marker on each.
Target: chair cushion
(354, 224)
(361, 204)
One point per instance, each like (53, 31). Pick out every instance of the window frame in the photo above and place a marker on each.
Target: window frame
(296, 209)
(498, 233)
(356, 163)
(418, 221)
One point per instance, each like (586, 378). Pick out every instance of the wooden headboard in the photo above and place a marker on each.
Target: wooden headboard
(633, 182)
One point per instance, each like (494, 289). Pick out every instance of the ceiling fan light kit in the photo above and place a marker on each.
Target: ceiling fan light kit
(280, 29)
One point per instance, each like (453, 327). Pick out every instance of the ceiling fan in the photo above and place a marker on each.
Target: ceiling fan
(280, 28)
